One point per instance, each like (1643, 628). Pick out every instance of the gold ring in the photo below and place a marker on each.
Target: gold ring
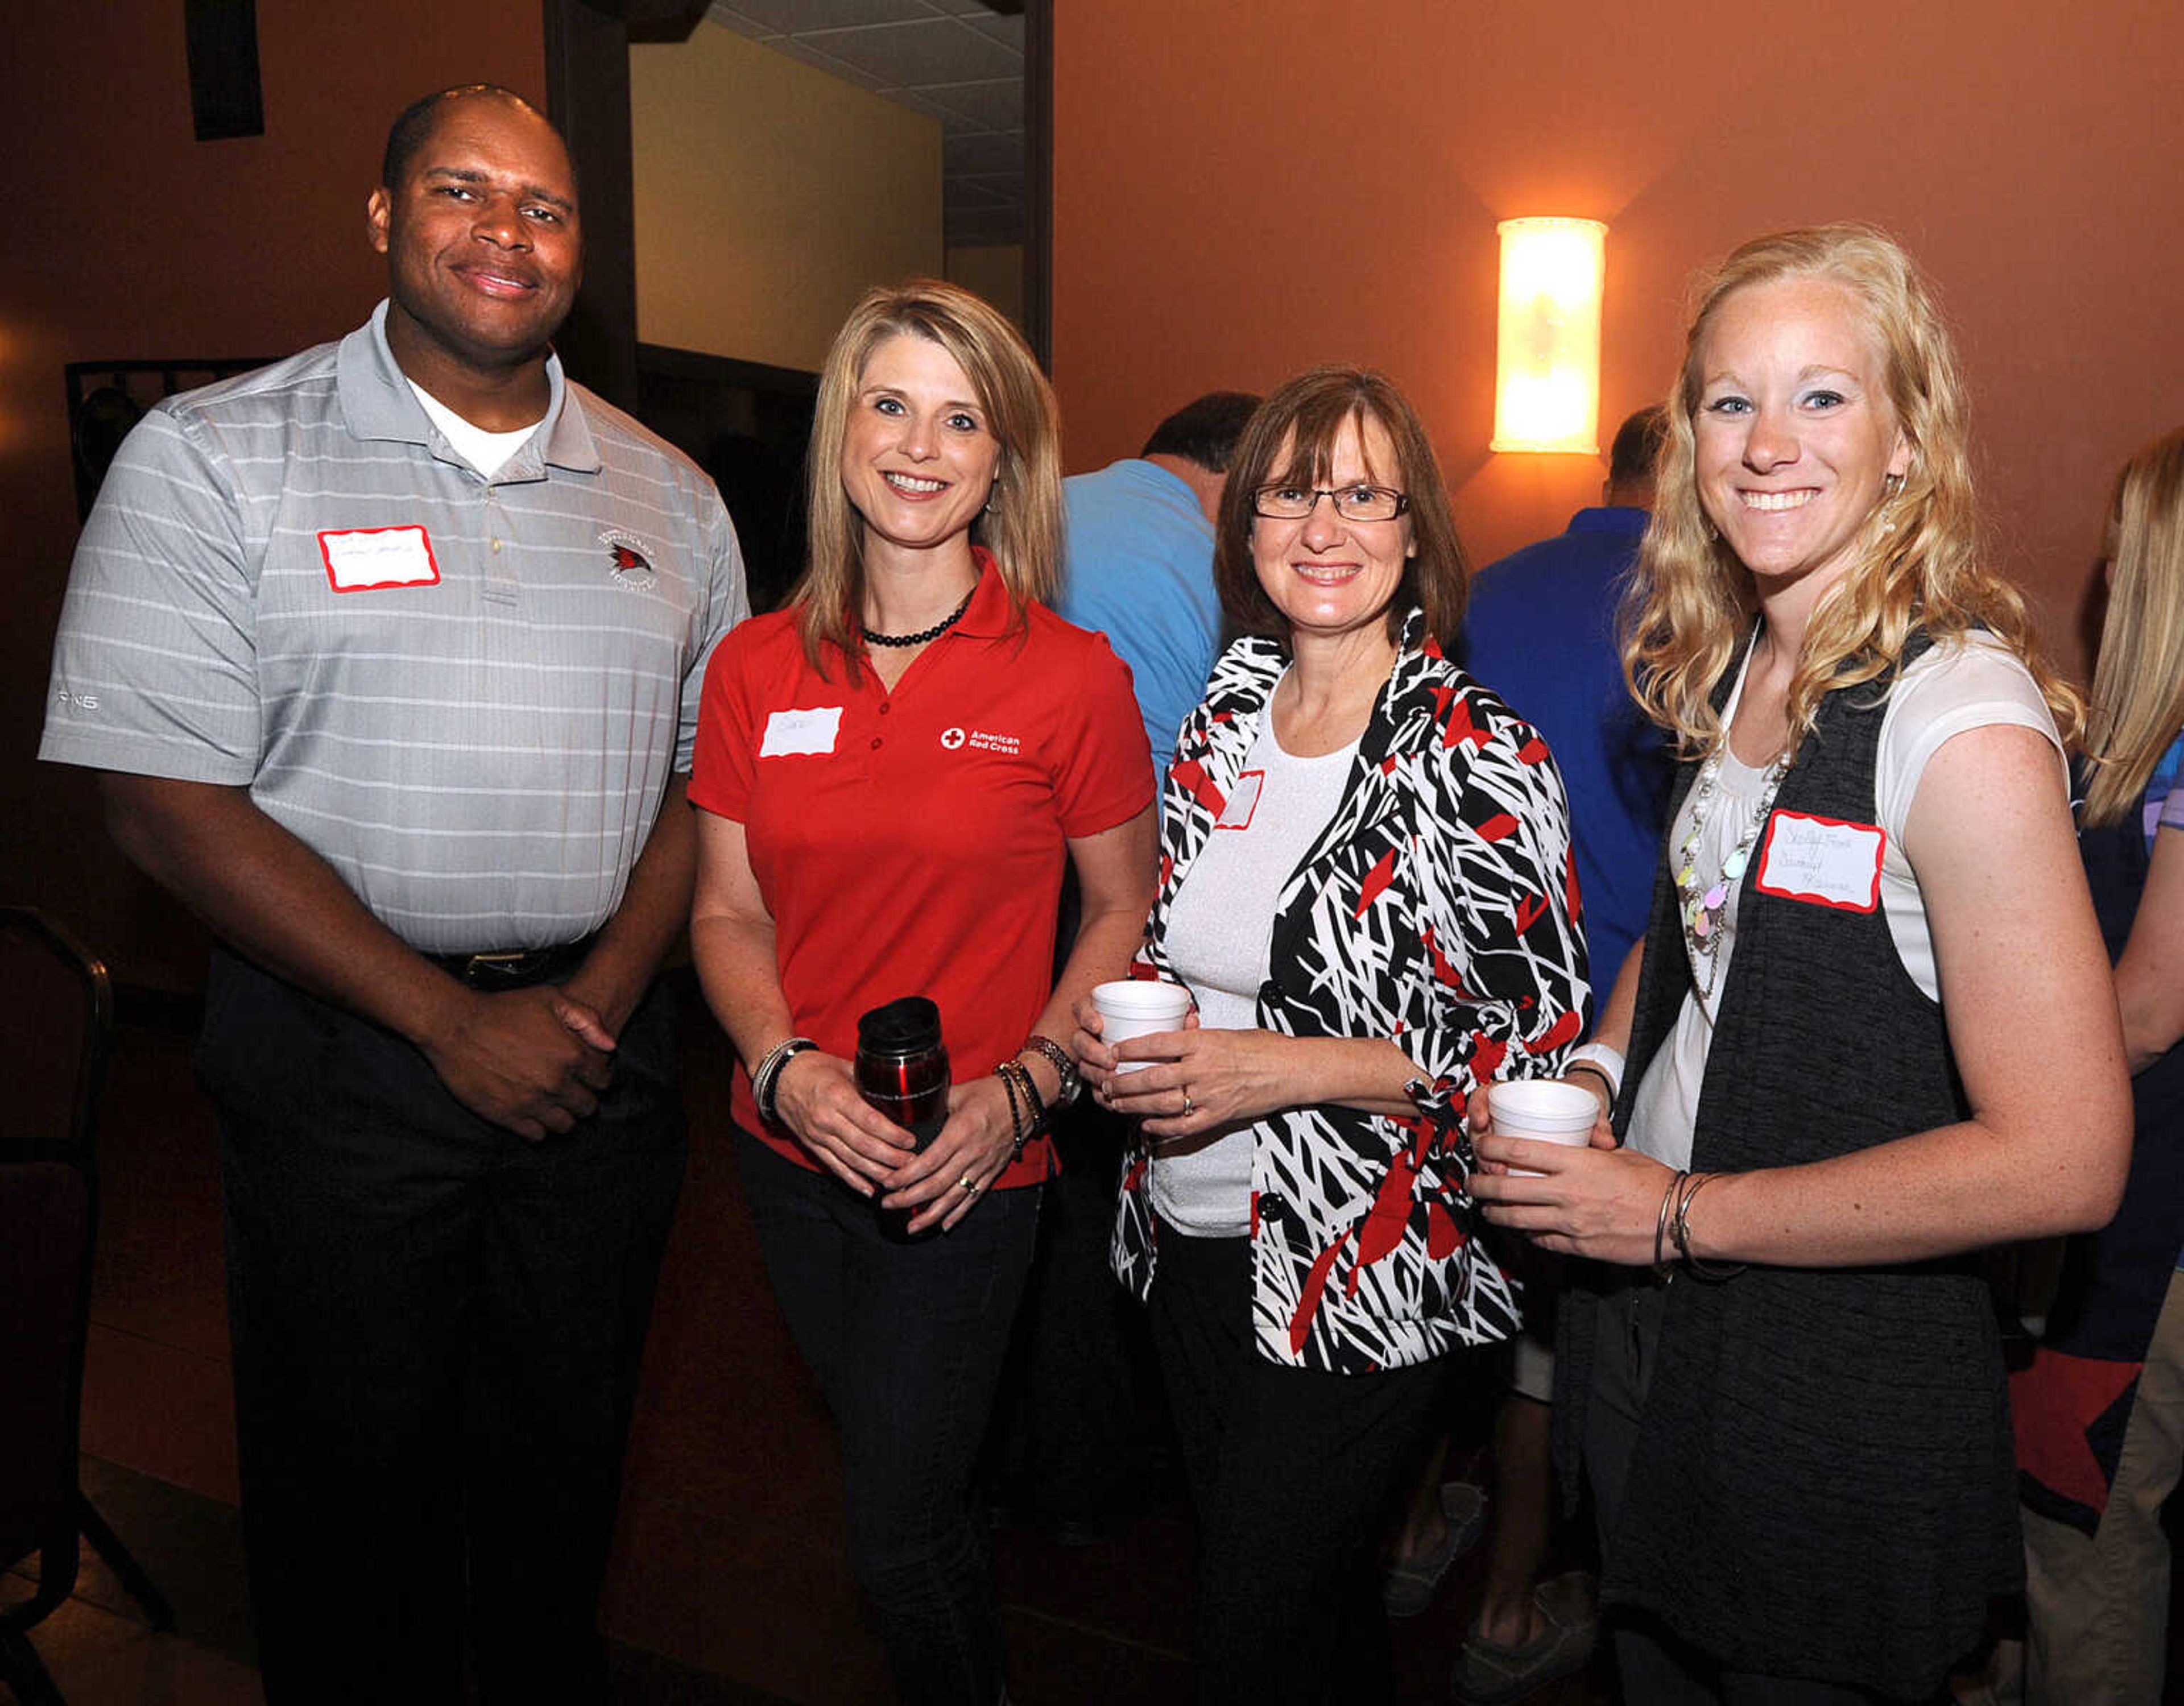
(1189, 1108)
(968, 1183)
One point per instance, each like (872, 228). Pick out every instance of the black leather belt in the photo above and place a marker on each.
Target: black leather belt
(515, 969)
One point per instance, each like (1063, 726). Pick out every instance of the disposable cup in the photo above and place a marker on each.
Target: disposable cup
(1134, 1008)
(1544, 1111)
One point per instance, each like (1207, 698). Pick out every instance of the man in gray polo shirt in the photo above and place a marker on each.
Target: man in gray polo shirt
(390, 656)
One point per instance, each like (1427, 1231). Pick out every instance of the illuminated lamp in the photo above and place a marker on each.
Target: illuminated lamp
(1547, 370)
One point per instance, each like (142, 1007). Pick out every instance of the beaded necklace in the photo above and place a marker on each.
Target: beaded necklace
(1703, 904)
(923, 635)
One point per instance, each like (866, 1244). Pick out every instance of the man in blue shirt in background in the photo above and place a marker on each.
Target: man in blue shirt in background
(1137, 559)
(1540, 630)
(1081, 1399)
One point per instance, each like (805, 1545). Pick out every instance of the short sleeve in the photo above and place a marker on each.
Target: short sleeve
(155, 665)
(723, 604)
(1951, 689)
(1102, 763)
(722, 758)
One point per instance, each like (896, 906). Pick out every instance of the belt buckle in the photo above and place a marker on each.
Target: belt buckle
(508, 962)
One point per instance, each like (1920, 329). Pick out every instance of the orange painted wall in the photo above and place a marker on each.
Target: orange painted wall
(1245, 187)
(125, 237)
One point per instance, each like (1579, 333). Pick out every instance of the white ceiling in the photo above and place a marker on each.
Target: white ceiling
(955, 60)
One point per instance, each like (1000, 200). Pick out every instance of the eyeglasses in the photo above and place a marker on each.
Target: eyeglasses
(1351, 503)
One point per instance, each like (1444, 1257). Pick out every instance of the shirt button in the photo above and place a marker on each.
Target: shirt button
(876, 743)
(885, 707)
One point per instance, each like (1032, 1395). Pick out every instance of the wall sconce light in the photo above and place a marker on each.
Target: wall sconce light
(1546, 376)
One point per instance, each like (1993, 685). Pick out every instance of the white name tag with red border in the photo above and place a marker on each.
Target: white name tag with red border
(1823, 861)
(789, 733)
(1243, 801)
(371, 559)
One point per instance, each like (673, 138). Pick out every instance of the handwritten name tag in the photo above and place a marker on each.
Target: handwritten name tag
(1823, 861)
(788, 733)
(369, 559)
(1243, 801)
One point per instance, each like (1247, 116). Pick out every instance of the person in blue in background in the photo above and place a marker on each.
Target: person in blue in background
(1138, 557)
(1541, 632)
(1084, 1414)
(2100, 1411)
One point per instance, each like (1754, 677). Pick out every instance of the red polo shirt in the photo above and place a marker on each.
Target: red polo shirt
(912, 841)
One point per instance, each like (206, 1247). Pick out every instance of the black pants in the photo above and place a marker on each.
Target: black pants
(906, 1341)
(437, 1329)
(1293, 1473)
(1080, 1401)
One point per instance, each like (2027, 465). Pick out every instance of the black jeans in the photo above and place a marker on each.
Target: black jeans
(1080, 1397)
(1293, 1473)
(906, 1342)
(436, 1330)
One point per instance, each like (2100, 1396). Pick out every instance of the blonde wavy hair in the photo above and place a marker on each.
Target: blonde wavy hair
(1022, 525)
(2138, 684)
(1919, 564)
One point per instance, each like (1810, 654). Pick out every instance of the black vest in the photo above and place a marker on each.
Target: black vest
(1823, 1484)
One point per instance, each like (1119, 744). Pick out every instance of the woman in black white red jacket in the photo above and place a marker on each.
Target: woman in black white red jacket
(1367, 887)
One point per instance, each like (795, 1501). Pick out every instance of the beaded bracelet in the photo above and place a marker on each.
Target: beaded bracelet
(766, 1079)
(1680, 1231)
(1026, 1113)
(1016, 1110)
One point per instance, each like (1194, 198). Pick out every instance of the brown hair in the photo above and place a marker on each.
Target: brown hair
(1300, 423)
(1022, 525)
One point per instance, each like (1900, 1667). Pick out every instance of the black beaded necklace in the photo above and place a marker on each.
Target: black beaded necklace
(923, 635)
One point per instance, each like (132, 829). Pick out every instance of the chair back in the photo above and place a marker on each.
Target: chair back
(45, 1234)
(56, 1027)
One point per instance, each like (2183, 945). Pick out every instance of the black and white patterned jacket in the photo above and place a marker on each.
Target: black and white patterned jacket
(1438, 908)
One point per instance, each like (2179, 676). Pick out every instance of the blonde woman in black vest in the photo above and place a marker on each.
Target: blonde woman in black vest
(1870, 1029)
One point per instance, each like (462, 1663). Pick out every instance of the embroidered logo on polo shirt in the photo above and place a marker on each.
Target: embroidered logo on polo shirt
(629, 561)
(951, 739)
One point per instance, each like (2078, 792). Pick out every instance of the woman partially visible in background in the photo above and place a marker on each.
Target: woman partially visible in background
(2100, 1413)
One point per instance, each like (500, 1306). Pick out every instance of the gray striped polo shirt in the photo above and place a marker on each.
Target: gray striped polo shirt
(466, 694)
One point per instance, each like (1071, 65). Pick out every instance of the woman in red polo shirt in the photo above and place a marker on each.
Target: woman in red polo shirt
(893, 774)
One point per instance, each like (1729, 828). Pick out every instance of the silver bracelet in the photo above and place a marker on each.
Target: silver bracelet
(1063, 1063)
(765, 1079)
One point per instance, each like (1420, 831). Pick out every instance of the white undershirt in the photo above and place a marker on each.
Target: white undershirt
(1220, 933)
(1953, 688)
(486, 452)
